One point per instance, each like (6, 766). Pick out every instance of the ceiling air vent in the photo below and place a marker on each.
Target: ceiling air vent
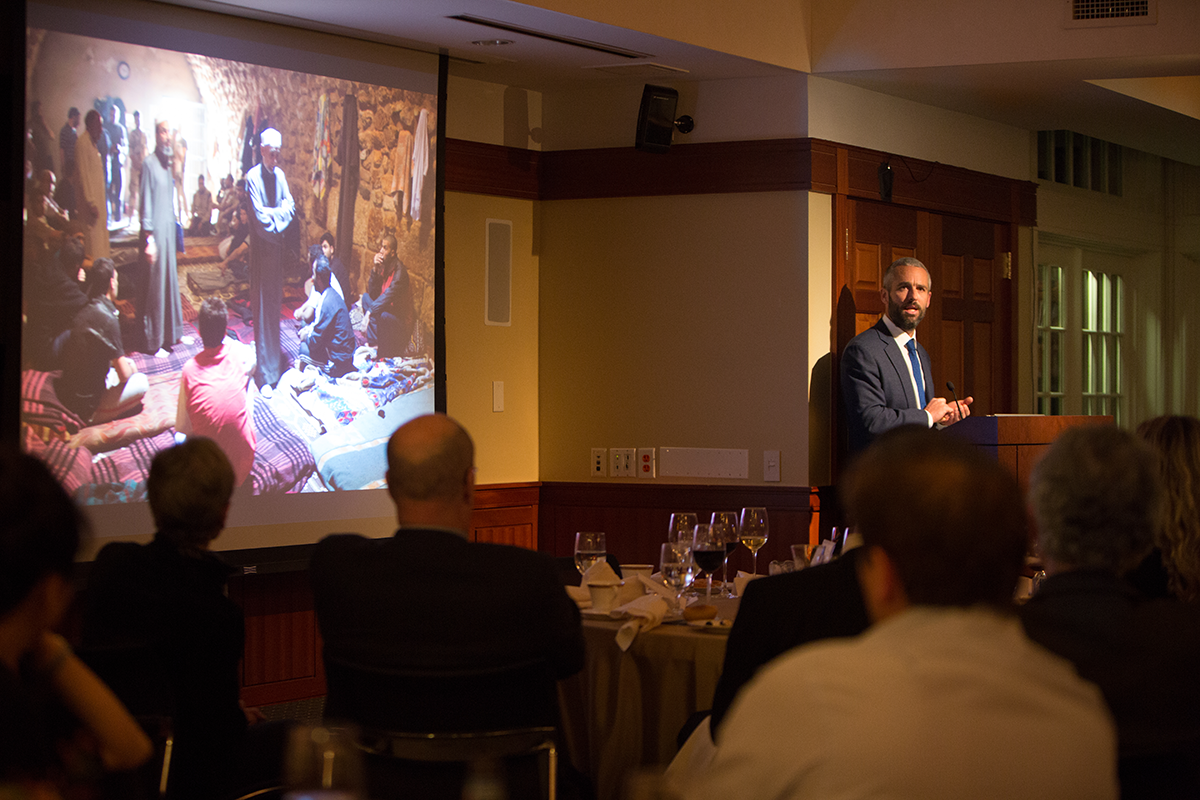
(1090, 13)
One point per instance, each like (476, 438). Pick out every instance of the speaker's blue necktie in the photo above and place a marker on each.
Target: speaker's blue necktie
(915, 361)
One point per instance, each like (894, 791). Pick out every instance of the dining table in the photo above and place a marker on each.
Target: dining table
(623, 712)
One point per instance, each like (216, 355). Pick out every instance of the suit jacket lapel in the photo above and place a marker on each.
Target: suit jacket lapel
(898, 360)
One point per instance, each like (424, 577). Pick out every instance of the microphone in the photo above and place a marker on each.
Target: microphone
(950, 386)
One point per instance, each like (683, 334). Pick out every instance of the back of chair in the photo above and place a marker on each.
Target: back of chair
(421, 728)
(441, 701)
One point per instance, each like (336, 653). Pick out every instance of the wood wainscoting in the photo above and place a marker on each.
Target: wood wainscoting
(283, 643)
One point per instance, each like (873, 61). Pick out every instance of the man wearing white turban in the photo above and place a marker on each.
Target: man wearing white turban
(274, 209)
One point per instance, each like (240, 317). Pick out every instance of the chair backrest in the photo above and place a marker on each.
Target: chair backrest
(441, 701)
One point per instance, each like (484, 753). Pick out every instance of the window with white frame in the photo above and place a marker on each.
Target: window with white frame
(1051, 339)
(1103, 299)
(1077, 359)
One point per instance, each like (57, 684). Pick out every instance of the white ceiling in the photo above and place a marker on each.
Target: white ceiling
(1110, 98)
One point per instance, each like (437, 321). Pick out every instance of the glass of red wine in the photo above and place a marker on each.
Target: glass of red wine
(708, 551)
(728, 519)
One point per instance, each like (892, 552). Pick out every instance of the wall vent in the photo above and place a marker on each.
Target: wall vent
(1092, 13)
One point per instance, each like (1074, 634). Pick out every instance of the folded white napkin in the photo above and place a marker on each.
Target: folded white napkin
(581, 596)
(740, 581)
(600, 572)
(644, 613)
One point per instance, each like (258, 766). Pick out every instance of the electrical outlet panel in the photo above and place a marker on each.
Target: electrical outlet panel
(645, 462)
(597, 465)
(621, 462)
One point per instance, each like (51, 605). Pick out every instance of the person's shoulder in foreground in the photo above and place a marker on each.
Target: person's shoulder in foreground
(943, 696)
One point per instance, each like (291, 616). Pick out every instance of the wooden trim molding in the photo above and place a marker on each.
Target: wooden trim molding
(771, 165)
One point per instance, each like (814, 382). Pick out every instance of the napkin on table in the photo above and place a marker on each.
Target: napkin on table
(740, 581)
(644, 613)
(601, 572)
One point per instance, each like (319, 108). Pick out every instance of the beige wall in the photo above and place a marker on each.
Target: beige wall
(764, 30)
(506, 442)
(848, 114)
(674, 321)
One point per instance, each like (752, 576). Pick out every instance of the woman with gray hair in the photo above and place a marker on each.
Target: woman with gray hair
(1096, 497)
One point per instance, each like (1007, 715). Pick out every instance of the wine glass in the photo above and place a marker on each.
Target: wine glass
(589, 550)
(729, 519)
(676, 568)
(683, 524)
(708, 551)
(321, 762)
(753, 531)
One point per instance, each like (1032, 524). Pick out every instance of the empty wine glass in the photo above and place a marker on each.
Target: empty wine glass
(590, 550)
(676, 568)
(729, 519)
(753, 530)
(683, 524)
(323, 762)
(708, 551)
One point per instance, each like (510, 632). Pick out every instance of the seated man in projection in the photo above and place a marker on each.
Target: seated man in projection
(53, 297)
(202, 206)
(99, 383)
(213, 398)
(328, 343)
(387, 304)
(341, 279)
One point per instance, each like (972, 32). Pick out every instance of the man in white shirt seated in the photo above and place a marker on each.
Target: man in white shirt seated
(943, 696)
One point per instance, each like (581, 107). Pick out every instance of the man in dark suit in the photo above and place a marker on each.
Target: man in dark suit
(428, 598)
(881, 386)
(1095, 496)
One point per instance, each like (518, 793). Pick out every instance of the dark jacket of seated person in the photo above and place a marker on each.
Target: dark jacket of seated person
(785, 611)
(329, 342)
(429, 603)
(1095, 496)
(168, 597)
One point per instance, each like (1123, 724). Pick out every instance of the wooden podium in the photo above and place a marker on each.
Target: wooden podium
(1018, 440)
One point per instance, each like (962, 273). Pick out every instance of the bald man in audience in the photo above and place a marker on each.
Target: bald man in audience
(943, 696)
(1096, 498)
(430, 602)
(480, 603)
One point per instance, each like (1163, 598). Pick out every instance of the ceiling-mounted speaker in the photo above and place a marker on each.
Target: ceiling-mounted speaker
(656, 118)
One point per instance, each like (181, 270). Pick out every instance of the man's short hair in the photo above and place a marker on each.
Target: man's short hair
(189, 489)
(73, 113)
(70, 255)
(99, 278)
(41, 527)
(948, 517)
(328, 237)
(321, 272)
(889, 276)
(387, 238)
(213, 320)
(440, 475)
(1095, 497)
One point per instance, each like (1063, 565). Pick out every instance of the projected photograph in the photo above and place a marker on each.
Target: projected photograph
(222, 249)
